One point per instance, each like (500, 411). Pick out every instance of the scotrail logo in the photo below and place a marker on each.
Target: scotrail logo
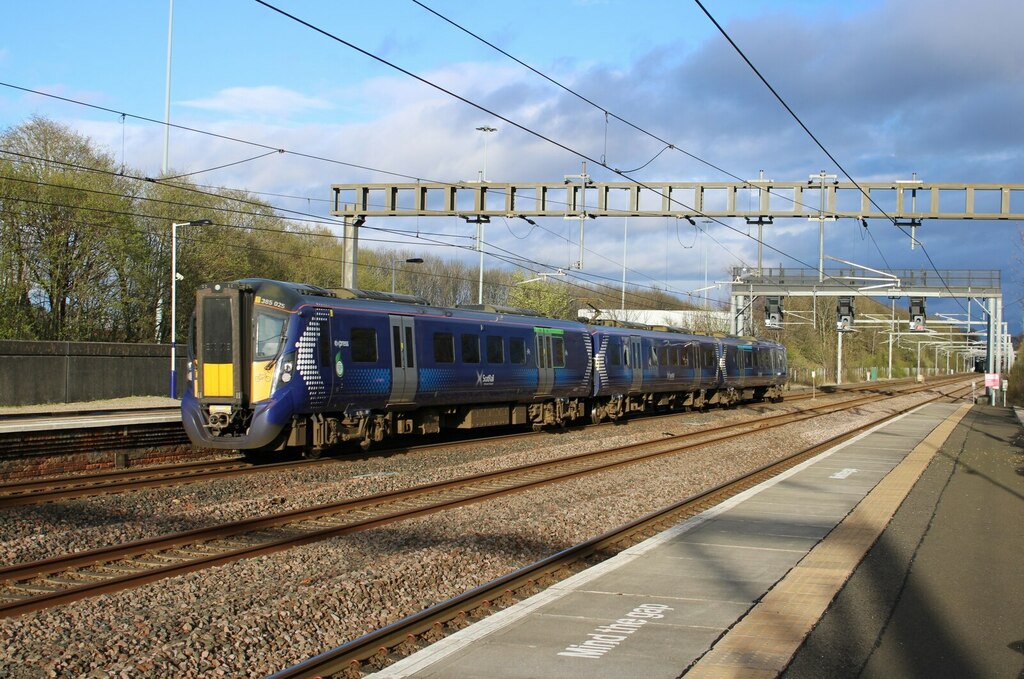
(483, 380)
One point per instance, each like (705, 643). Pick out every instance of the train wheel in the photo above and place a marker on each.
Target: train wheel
(312, 453)
(595, 415)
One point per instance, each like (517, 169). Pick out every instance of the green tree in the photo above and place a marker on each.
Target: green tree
(64, 206)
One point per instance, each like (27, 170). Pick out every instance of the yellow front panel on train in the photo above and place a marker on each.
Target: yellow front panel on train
(218, 379)
(261, 380)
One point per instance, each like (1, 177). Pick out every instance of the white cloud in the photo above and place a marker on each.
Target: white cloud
(262, 100)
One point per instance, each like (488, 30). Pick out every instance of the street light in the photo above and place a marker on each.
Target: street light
(486, 129)
(174, 300)
(413, 260)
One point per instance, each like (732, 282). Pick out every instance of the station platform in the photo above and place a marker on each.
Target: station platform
(895, 554)
(91, 414)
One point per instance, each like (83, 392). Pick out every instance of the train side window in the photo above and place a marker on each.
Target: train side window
(364, 345)
(625, 354)
(613, 351)
(663, 354)
(558, 352)
(652, 358)
(517, 350)
(410, 358)
(470, 348)
(707, 356)
(495, 350)
(444, 347)
(396, 345)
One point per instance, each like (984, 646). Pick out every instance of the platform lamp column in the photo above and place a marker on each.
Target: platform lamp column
(174, 298)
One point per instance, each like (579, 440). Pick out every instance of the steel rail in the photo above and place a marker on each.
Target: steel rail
(87, 485)
(41, 584)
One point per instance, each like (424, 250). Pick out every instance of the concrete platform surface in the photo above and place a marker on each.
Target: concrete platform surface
(941, 593)
(659, 607)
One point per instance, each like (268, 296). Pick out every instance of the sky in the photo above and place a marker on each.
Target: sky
(889, 87)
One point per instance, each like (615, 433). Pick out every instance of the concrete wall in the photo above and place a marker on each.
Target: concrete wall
(67, 372)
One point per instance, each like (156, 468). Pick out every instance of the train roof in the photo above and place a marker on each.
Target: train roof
(294, 295)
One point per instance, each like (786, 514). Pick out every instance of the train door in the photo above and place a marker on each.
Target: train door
(545, 362)
(636, 363)
(221, 358)
(404, 381)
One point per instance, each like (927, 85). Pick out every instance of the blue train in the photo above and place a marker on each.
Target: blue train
(275, 365)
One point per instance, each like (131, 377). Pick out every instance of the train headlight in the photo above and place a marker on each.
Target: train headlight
(285, 369)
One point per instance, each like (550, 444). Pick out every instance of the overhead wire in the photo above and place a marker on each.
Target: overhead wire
(335, 161)
(821, 146)
(428, 83)
(669, 145)
(519, 126)
(422, 237)
(604, 110)
(315, 219)
(221, 167)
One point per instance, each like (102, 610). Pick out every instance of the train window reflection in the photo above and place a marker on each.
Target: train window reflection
(270, 329)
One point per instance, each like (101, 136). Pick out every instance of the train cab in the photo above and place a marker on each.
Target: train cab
(237, 363)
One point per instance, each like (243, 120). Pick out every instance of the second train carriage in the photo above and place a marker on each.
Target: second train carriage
(276, 364)
(640, 368)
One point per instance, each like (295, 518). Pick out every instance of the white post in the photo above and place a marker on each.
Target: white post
(839, 357)
(174, 297)
(480, 247)
(167, 93)
(625, 233)
(174, 287)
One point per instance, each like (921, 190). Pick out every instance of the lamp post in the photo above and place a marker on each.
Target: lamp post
(413, 260)
(174, 299)
(486, 129)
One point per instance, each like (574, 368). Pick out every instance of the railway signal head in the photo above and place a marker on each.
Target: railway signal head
(918, 315)
(844, 314)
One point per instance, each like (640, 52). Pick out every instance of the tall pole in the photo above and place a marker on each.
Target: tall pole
(174, 298)
(486, 129)
(839, 357)
(167, 92)
(480, 247)
(821, 177)
(625, 233)
(892, 331)
(705, 243)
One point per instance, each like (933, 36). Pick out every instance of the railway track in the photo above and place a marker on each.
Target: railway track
(50, 582)
(116, 481)
(381, 647)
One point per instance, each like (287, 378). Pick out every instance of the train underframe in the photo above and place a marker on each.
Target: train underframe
(618, 406)
(317, 432)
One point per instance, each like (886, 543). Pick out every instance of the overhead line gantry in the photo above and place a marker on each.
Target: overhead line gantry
(906, 203)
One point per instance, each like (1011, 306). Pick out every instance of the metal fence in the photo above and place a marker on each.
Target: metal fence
(69, 372)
